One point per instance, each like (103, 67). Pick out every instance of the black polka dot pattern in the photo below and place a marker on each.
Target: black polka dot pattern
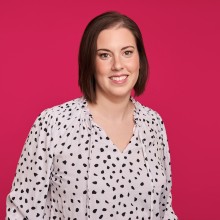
(70, 169)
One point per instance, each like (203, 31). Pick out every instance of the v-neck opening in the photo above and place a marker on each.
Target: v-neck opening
(125, 149)
(112, 143)
(129, 144)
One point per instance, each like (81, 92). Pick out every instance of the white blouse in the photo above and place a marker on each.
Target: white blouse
(70, 169)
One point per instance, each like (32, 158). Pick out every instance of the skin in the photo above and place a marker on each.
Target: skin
(117, 70)
(117, 55)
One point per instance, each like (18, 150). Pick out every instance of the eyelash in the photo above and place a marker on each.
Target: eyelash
(106, 55)
(129, 52)
(103, 55)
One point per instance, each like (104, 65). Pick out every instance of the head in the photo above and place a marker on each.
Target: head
(88, 47)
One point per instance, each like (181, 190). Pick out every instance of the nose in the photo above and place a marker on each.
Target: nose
(117, 64)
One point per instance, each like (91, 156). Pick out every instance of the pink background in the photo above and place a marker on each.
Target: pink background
(39, 43)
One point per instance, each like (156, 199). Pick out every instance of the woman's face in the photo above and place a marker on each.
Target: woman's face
(117, 63)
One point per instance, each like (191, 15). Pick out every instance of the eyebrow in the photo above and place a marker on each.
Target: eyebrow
(123, 48)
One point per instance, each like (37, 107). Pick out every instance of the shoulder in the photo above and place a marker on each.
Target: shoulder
(147, 112)
(63, 113)
(67, 108)
(149, 117)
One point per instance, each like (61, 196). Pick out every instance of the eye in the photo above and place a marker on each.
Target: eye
(128, 53)
(104, 56)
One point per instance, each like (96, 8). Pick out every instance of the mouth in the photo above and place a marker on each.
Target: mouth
(118, 78)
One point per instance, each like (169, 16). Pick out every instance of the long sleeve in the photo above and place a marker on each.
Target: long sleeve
(169, 213)
(28, 195)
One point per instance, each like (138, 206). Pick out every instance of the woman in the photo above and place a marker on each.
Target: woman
(104, 155)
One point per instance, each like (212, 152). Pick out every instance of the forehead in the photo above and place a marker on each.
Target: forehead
(115, 37)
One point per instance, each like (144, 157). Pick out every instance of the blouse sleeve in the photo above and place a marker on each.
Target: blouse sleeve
(169, 213)
(28, 195)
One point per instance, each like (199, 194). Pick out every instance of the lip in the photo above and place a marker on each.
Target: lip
(119, 78)
(118, 75)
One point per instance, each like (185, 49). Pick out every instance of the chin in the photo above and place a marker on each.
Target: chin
(121, 94)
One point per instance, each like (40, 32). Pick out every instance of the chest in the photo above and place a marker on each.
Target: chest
(119, 134)
(83, 155)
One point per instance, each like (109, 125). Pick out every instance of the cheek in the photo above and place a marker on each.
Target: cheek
(100, 72)
(101, 67)
(135, 63)
(97, 66)
(134, 66)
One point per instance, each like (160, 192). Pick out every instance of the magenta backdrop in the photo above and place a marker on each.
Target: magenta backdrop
(39, 43)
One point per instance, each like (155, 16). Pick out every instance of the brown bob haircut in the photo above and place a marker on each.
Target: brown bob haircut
(88, 47)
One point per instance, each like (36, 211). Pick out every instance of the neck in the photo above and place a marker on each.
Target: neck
(115, 109)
